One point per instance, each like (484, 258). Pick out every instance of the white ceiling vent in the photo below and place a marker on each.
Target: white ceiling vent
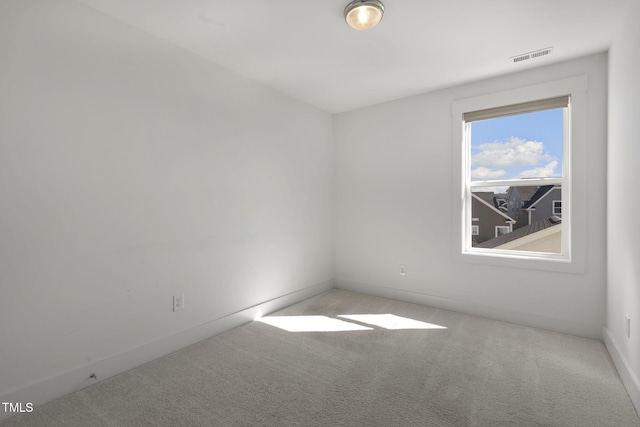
(531, 55)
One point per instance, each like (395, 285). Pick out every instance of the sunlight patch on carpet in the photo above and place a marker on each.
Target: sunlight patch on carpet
(391, 321)
(311, 324)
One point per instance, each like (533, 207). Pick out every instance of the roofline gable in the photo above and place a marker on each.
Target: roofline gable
(532, 206)
(494, 208)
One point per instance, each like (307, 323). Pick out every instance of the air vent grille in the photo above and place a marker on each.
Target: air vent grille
(531, 55)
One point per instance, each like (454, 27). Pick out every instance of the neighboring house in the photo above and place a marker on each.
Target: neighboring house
(499, 200)
(541, 236)
(487, 221)
(546, 202)
(516, 199)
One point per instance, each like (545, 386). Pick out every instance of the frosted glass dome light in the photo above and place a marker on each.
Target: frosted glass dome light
(363, 14)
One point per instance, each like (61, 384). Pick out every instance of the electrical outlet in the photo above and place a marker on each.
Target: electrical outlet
(627, 326)
(178, 302)
(403, 269)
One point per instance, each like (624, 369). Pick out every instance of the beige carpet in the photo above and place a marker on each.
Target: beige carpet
(409, 366)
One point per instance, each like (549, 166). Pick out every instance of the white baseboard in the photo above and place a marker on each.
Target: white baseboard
(566, 326)
(629, 379)
(77, 378)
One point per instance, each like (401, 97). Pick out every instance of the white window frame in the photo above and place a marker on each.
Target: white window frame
(553, 207)
(574, 164)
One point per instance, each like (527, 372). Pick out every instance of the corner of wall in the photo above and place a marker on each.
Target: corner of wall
(630, 381)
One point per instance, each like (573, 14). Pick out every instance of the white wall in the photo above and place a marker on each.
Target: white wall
(623, 243)
(131, 171)
(393, 195)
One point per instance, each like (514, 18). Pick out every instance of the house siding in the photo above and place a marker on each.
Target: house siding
(488, 220)
(544, 207)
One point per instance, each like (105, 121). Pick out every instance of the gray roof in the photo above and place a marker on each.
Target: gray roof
(525, 191)
(521, 232)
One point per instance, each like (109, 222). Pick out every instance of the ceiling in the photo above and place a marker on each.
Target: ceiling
(304, 49)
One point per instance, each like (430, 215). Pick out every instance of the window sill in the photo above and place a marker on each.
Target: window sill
(557, 263)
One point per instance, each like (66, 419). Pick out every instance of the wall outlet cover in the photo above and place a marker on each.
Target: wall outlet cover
(178, 302)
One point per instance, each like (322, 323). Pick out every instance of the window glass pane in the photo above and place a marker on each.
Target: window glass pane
(519, 146)
(502, 230)
(520, 217)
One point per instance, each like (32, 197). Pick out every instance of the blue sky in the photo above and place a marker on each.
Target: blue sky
(521, 146)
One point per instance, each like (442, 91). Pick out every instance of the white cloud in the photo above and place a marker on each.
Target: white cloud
(483, 173)
(541, 172)
(515, 152)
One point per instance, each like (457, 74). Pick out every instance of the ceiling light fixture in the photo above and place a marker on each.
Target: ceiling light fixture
(363, 14)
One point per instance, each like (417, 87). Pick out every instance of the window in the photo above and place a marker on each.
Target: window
(475, 230)
(502, 230)
(515, 146)
(516, 152)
